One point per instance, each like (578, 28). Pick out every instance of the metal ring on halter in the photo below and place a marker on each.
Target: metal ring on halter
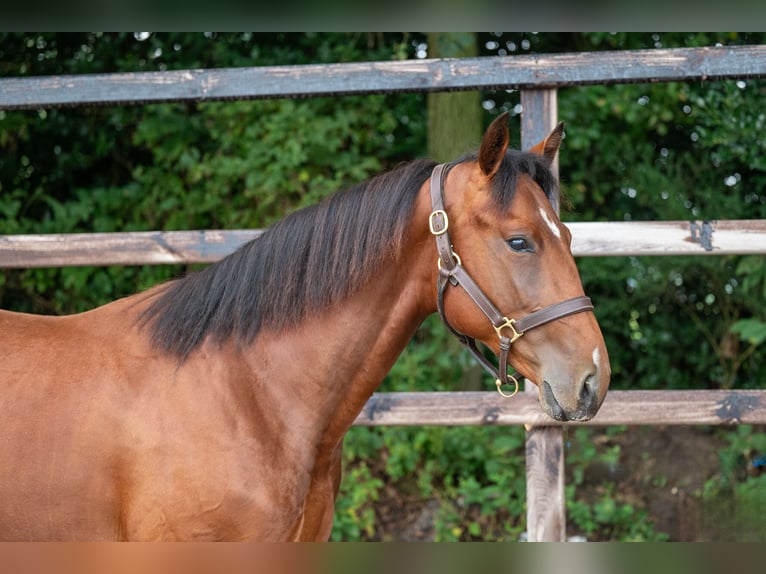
(454, 255)
(499, 385)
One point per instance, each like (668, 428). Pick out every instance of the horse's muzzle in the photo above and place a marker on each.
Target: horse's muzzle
(588, 401)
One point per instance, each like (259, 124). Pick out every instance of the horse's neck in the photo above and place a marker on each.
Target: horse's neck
(323, 371)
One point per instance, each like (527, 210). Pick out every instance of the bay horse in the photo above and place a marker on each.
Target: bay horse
(214, 406)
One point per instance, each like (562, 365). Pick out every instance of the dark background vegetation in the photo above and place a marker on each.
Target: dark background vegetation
(677, 151)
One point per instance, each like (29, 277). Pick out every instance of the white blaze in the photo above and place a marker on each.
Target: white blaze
(596, 356)
(551, 224)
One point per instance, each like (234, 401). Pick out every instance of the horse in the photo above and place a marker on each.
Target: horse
(213, 406)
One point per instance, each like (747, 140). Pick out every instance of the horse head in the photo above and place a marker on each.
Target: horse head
(500, 238)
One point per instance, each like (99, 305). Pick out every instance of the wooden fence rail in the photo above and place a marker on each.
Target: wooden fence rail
(539, 77)
(589, 239)
(718, 408)
(499, 72)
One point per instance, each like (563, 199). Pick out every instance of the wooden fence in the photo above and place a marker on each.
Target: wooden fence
(538, 77)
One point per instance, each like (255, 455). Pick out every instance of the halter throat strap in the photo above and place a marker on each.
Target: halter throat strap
(452, 272)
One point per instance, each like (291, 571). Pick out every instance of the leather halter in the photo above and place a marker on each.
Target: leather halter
(452, 272)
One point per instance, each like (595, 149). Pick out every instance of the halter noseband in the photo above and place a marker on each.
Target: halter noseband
(451, 271)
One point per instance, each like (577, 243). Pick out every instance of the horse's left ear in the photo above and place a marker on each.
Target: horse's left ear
(549, 147)
(493, 145)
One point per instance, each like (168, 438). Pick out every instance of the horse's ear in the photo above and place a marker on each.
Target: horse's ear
(493, 145)
(549, 147)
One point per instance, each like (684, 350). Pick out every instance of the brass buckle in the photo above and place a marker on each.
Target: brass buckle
(431, 217)
(499, 385)
(508, 324)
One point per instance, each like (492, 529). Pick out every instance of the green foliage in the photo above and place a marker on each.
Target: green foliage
(605, 516)
(751, 330)
(475, 476)
(670, 152)
(608, 519)
(736, 497)
(181, 166)
(354, 511)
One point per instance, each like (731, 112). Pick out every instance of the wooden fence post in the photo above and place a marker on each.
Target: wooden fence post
(546, 513)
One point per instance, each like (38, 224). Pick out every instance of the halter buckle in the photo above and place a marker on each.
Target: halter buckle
(508, 324)
(435, 226)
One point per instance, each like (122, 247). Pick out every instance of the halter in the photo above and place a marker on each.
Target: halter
(452, 272)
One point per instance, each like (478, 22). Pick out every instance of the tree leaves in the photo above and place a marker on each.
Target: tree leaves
(751, 330)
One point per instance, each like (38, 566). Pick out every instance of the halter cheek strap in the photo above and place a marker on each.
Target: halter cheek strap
(452, 272)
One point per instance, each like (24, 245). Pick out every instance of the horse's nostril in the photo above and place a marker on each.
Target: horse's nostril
(550, 399)
(588, 390)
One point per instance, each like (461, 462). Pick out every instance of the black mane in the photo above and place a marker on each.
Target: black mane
(531, 164)
(309, 260)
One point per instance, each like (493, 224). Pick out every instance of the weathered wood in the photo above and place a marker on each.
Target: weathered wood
(724, 237)
(646, 408)
(546, 497)
(589, 239)
(498, 72)
(127, 248)
(546, 513)
(538, 118)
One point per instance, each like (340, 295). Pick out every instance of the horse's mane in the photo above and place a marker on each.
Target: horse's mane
(309, 260)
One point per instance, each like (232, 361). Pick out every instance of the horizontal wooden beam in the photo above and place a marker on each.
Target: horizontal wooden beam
(126, 248)
(497, 72)
(699, 407)
(167, 247)
(723, 237)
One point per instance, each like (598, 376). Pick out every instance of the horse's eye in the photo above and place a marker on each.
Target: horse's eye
(519, 244)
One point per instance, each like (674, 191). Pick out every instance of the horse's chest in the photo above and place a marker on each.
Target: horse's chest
(218, 497)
